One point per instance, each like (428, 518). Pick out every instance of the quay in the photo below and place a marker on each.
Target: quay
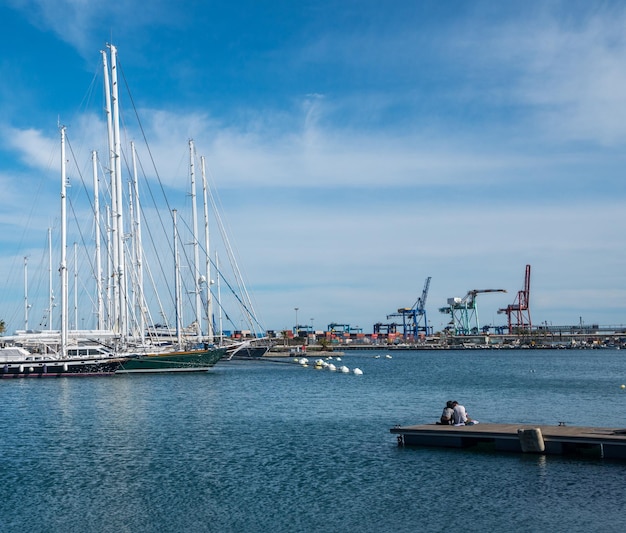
(608, 443)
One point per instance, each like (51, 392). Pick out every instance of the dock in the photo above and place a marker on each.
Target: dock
(608, 443)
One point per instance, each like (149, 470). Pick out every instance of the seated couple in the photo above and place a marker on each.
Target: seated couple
(454, 414)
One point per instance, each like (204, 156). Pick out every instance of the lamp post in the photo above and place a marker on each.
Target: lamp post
(295, 329)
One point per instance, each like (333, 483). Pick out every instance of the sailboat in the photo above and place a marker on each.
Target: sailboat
(123, 341)
(55, 359)
(159, 351)
(126, 338)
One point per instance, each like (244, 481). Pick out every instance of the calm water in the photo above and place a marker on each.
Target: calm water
(278, 448)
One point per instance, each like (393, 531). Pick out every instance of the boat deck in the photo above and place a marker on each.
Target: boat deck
(608, 443)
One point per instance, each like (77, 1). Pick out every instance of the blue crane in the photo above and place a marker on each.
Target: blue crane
(414, 319)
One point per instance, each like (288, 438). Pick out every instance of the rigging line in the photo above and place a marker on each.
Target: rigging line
(248, 310)
(148, 227)
(151, 193)
(78, 226)
(213, 194)
(15, 269)
(41, 266)
(160, 182)
(145, 139)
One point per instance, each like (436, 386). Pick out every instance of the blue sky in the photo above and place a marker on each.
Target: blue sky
(357, 147)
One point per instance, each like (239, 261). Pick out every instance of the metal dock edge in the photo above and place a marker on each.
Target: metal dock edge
(609, 443)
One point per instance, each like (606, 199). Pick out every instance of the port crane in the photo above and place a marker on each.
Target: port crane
(464, 312)
(414, 318)
(343, 328)
(518, 313)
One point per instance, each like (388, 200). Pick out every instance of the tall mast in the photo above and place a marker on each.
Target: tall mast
(209, 300)
(96, 214)
(177, 284)
(63, 266)
(138, 247)
(196, 253)
(109, 276)
(26, 306)
(75, 286)
(118, 221)
(219, 299)
(112, 285)
(50, 290)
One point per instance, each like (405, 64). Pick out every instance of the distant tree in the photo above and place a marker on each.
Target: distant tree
(3, 327)
(323, 342)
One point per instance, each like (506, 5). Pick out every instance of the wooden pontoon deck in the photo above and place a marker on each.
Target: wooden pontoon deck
(608, 443)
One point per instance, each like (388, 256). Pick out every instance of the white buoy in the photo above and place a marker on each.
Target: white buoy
(332, 367)
(358, 372)
(377, 357)
(344, 369)
(387, 356)
(338, 358)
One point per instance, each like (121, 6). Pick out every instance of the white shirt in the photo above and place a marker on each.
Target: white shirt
(459, 417)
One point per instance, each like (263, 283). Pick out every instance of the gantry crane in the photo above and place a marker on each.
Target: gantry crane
(343, 328)
(464, 312)
(414, 318)
(518, 313)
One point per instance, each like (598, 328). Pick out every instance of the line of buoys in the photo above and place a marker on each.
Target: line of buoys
(320, 364)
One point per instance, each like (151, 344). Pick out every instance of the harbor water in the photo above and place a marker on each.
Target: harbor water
(258, 446)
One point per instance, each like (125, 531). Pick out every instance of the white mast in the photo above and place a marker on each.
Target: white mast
(112, 286)
(209, 300)
(138, 247)
(63, 266)
(219, 299)
(118, 221)
(96, 209)
(26, 306)
(196, 254)
(133, 253)
(109, 264)
(50, 290)
(75, 286)
(177, 295)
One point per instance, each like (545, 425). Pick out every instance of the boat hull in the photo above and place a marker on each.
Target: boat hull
(59, 368)
(248, 352)
(180, 361)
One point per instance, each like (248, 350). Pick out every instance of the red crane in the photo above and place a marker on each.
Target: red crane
(518, 313)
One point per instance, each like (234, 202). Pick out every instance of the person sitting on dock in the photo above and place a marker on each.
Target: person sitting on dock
(446, 416)
(459, 415)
